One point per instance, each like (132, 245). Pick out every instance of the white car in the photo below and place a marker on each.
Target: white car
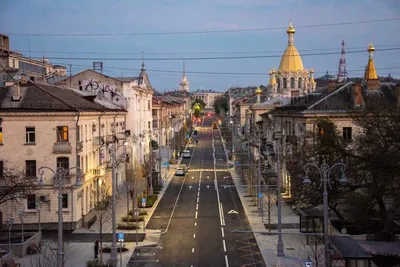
(186, 153)
(181, 170)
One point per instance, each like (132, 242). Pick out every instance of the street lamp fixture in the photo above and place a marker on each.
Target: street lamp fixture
(325, 172)
(60, 175)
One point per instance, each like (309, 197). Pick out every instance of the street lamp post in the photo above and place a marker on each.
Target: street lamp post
(276, 146)
(38, 207)
(21, 214)
(60, 175)
(9, 223)
(325, 172)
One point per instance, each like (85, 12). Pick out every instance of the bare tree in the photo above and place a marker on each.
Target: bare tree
(102, 211)
(313, 252)
(15, 184)
(269, 203)
(128, 185)
(48, 255)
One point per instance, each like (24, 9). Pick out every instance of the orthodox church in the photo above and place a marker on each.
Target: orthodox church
(291, 79)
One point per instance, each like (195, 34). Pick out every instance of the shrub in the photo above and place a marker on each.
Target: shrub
(132, 219)
(124, 226)
(95, 263)
(119, 249)
(149, 201)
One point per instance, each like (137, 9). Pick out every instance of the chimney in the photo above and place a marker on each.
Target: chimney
(331, 85)
(23, 81)
(397, 93)
(356, 94)
(16, 92)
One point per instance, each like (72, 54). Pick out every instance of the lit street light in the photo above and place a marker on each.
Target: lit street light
(325, 171)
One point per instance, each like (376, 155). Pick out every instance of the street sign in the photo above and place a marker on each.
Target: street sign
(308, 264)
(121, 237)
(165, 164)
(260, 195)
(143, 202)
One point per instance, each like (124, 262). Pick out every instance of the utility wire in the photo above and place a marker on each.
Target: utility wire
(205, 31)
(211, 58)
(196, 53)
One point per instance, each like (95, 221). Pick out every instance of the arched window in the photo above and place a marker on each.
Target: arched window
(300, 82)
(279, 84)
(292, 83)
(284, 83)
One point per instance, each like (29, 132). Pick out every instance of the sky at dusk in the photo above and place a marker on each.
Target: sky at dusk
(23, 20)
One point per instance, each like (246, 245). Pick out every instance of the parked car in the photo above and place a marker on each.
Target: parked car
(180, 170)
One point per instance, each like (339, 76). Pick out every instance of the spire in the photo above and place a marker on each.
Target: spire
(370, 70)
(184, 70)
(184, 84)
(290, 31)
(143, 67)
(342, 73)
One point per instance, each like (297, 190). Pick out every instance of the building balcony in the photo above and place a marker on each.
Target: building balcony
(97, 141)
(99, 171)
(62, 148)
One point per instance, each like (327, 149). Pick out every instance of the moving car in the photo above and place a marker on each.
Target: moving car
(180, 170)
(186, 153)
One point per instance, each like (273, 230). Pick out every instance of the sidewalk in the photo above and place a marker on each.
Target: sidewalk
(295, 253)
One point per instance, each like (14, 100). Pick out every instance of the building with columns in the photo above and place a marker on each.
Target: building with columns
(207, 96)
(291, 79)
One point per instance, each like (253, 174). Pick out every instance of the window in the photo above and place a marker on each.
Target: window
(80, 85)
(79, 133)
(284, 83)
(154, 112)
(300, 82)
(30, 166)
(30, 135)
(1, 169)
(149, 125)
(148, 105)
(31, 202)
(1, 134)
(292, 83)
(65, 201)
(62, 134)
(347, 131)
(63, 162)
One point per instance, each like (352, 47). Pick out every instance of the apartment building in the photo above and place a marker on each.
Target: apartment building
(52, 127)
(13, 64)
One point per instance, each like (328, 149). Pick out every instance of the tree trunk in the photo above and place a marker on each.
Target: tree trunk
(382, 209)
(101, 241)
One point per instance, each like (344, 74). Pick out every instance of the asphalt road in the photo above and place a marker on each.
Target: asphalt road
(194, 213)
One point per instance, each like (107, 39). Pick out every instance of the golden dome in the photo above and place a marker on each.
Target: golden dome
(258, 91)
(371, 48)
(290, 29)
(291, 60)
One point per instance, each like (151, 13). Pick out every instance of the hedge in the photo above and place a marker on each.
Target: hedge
(149, 201)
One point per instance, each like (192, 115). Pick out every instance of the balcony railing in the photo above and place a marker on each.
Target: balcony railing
(99, 171)
(62, 148)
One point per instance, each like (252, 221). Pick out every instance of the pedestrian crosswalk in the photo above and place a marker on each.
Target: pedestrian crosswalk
(208, 170)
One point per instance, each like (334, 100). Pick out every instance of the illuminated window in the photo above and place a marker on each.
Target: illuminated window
(1, 135)
(62, 134)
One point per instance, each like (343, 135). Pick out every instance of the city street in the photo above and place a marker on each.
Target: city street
(197, 213)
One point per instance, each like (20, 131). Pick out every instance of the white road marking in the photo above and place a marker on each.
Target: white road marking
(197, 206)
(195, 224)
(192, 250)
(194, 235)
(196, 215)
(198, 194)
(222, 230)
(226, 261)
(223, 243)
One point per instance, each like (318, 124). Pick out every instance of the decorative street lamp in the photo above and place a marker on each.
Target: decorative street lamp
(38, 207)
(21, 214)
(277, 136)
(60, 175)
(325, 172)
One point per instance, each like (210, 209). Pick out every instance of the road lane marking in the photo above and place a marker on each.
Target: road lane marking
(226, 261)
(223, 243)
(222, 230)
(197, 206)
(196, 215)
(192, 250)
(195, 224)
(194, 235)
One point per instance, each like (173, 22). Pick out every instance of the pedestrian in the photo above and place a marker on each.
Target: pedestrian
(96, 249)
